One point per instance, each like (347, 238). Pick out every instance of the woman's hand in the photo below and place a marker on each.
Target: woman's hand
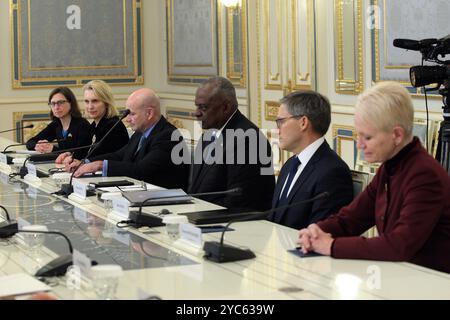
(43, 146)
(64, 158)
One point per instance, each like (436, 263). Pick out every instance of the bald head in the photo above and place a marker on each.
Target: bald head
(145, 109)
(145, 98)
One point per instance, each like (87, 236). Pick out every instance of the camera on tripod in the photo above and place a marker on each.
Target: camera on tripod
(433, 50)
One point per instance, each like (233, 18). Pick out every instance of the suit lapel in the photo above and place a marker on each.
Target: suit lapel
(130, 155)
(303, 178)
(200, 170)
(281, 181)
(308, 170)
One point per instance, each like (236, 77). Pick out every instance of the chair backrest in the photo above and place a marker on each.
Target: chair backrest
(360, 181)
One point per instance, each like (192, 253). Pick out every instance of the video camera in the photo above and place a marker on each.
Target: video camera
(431, 49)
(422, 76)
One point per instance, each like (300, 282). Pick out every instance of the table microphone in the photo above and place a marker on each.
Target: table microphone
(220, 252)
(20, 128)
(139, 219)
(24, 144)
(45, 157)
(67, 189)
(56, 267)
(7, 228)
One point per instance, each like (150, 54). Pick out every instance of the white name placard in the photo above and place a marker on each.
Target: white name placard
(79, 188)
(3, 158)
(31, 170)
(121, 207)
(191, 234)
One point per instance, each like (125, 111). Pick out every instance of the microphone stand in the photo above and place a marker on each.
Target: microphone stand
(35, 158)
(56, 267)
(67, 189)
(220, 252)
(15, 129)
(24, 144)
(139, 219)
(7, 228)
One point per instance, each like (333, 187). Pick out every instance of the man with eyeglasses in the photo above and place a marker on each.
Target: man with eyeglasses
(303, 119)
(232, 152)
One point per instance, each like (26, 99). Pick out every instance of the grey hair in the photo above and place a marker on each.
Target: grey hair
(311, 104)
(224, 87)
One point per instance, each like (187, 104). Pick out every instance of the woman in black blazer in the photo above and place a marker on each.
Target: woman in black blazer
(68, 127)
(99, 102)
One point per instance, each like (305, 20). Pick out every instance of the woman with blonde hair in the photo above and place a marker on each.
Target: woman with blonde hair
(408, 200)
(100, 107)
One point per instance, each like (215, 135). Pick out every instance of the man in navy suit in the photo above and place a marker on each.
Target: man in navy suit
(303, 119)
(148, 154)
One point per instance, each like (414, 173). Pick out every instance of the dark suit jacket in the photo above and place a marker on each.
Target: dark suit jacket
(257, 188)
(409, 202)
(114, 141)
(79, 134)
(153, 162)
(325, 171)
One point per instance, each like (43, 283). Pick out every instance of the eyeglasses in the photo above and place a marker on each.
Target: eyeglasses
(280, 121)
(56, 103)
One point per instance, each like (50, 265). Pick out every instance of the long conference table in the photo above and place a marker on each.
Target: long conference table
(155, 265)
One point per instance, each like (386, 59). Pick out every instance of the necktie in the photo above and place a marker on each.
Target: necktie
(141, 143)
(293, 170)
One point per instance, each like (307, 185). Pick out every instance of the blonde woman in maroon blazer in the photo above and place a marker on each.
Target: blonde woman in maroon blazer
(408, 200)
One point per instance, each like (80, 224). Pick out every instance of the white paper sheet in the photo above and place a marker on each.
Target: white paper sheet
(20, 284)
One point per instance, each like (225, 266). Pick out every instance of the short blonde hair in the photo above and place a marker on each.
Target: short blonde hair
(104, 93)
(387, 105)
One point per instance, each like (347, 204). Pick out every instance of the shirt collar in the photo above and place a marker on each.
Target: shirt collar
(219, 132)
(309, 151)
(147, 132)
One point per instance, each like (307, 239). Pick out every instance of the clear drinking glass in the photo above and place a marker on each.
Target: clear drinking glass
(173, 225)
(107, 198)
(105, 279)
(34, 241)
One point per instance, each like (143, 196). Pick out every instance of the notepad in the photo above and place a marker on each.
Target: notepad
(21, 284)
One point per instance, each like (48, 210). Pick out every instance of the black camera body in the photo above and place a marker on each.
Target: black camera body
(434, 50)
(431, 50)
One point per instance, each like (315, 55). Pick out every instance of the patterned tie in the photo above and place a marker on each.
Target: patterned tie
(293, 170)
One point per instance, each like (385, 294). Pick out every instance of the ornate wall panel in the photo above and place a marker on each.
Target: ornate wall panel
(349, 29)
(303, 36)
(62, 42)
(413, 19)
(273, 42)
(192, 40)
(236, 34)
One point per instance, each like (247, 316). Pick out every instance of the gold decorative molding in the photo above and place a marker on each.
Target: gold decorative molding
(258, 62)
(344, 84)
(271, 110)
(268, 25)
(303, 80)
(236, 76)
(196, 75)
(343, 133)
(42, 79)
(39, 119)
